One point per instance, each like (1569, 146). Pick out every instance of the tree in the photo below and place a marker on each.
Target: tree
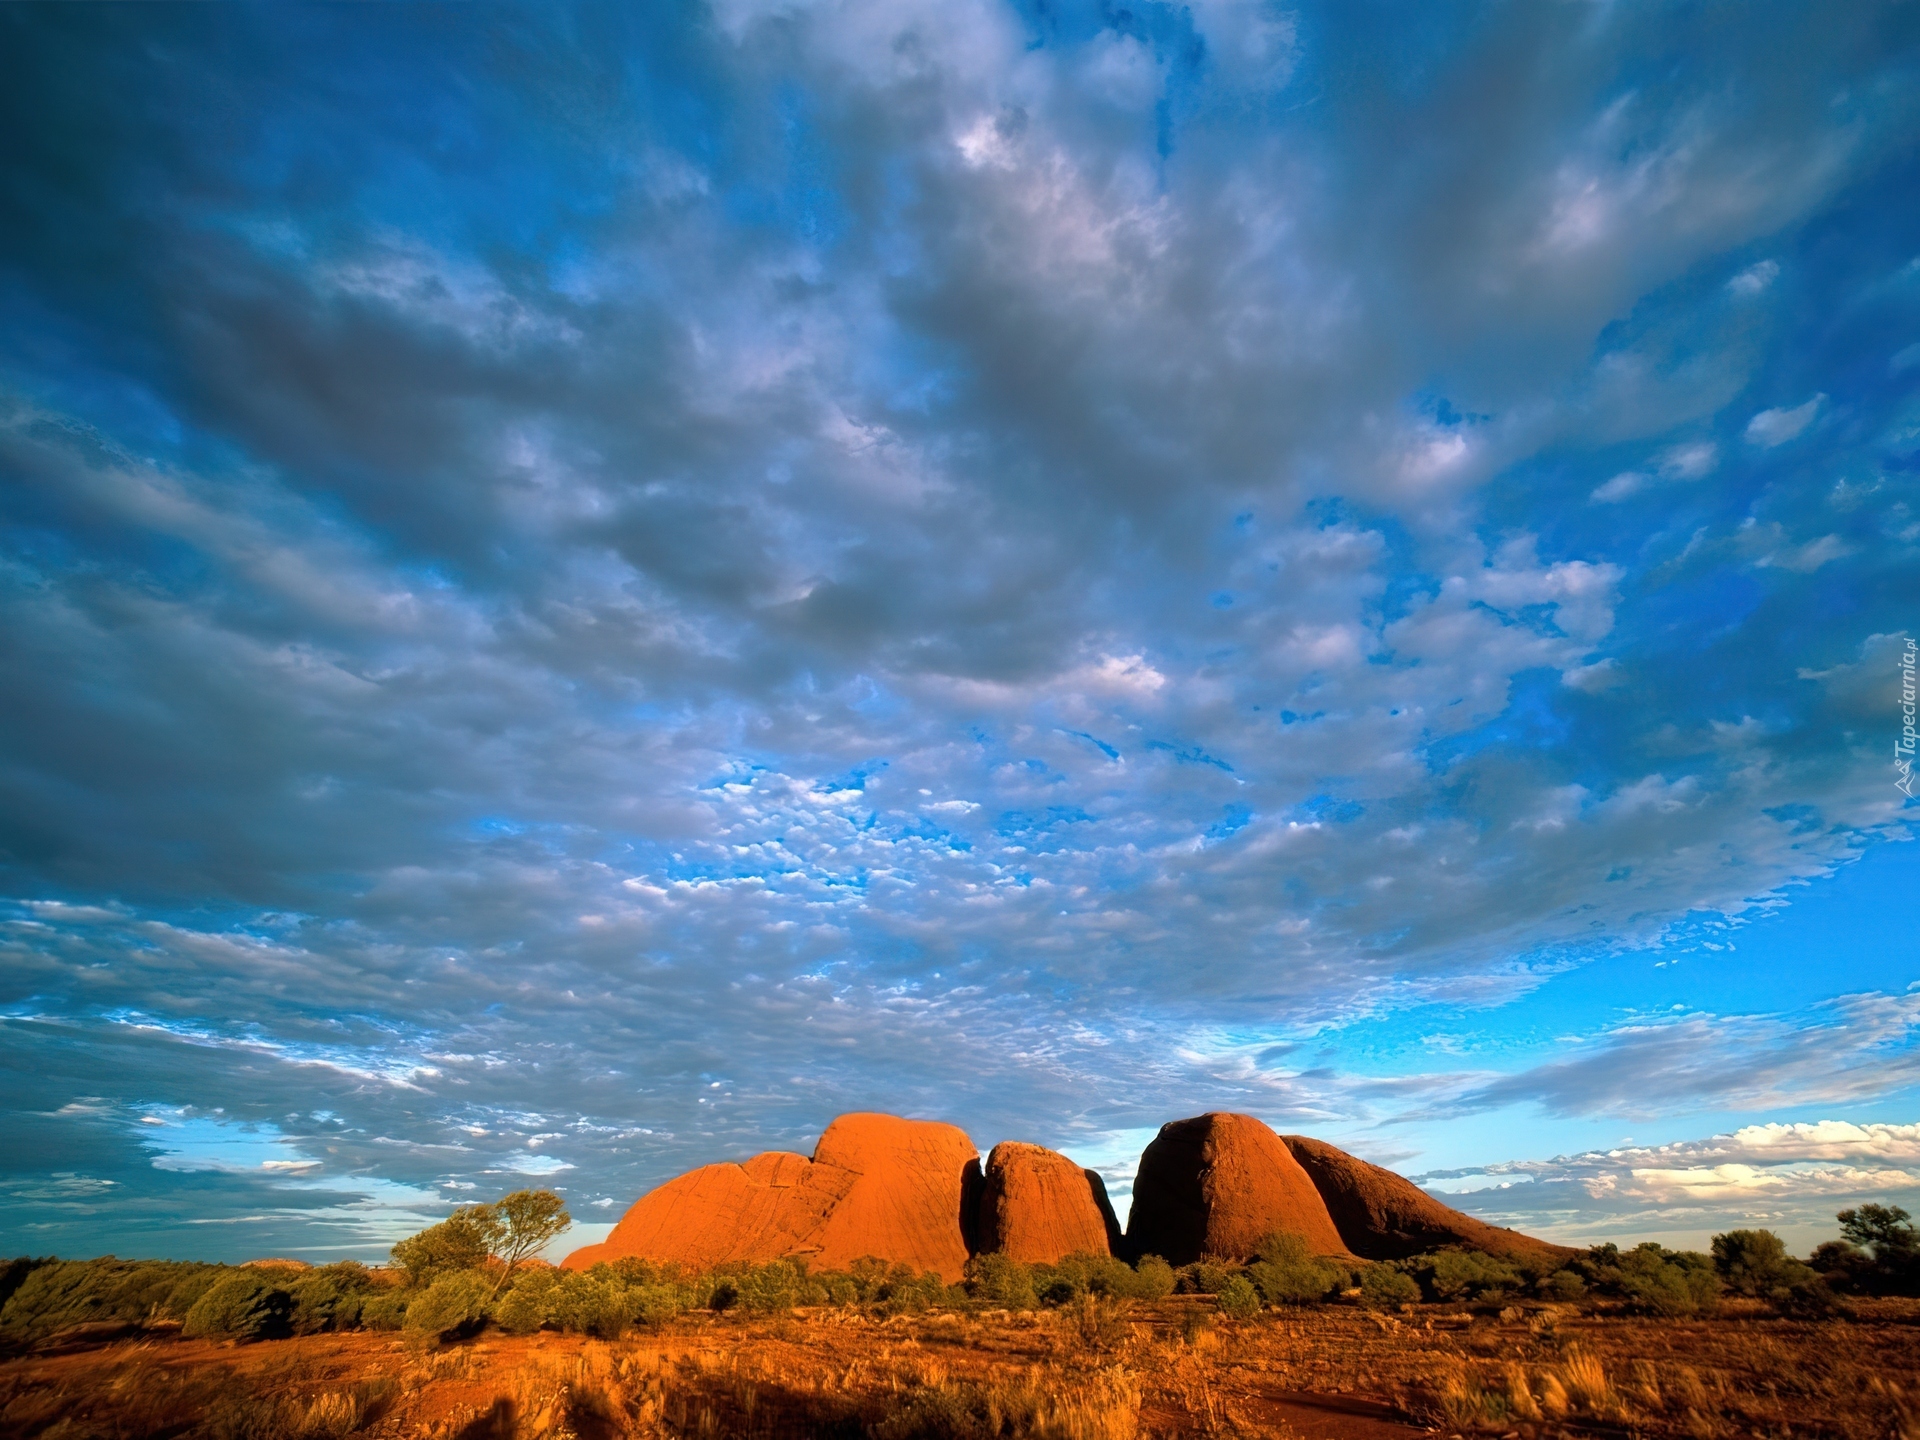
(524, 1222)
(509, 1230)
(1882, 1229)
(462, 1241)
(1755, 1262)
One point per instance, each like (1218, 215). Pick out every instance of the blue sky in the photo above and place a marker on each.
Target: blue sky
(586, 590)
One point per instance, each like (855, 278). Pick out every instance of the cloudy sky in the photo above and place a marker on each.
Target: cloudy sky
(582, 591)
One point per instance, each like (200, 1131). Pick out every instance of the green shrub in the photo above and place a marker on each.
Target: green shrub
(462, 1241)
(455, 1304)
(1382, 1287)
(1670, 1284)
(529, 1305)
(1563, 1285)
(1204, 1277)
(598, 1302)
(1755, 1262)
(1238, 1298)
(1454, 1275)
(1001, 1281)
(1286, 1272)
(329, 1298)
(385, 1308)
(51, 1295)
(1154, 1278)
(243, 1305)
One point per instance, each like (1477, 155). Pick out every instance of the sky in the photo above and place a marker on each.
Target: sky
(583, 590)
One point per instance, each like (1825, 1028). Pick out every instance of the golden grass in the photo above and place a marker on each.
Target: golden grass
(1090, 1372)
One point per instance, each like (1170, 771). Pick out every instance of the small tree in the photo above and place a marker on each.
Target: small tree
(1755, 1262)
(1882, 1229)
(509, 1230)
(524, 1222)
(462, 1241)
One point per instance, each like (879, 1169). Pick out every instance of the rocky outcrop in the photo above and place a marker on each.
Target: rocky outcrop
(1217, 1185)
(1037, 1206)
(876, 1185)
(1384, 1216)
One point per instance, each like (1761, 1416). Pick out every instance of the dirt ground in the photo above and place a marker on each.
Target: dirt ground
(1175, 1368)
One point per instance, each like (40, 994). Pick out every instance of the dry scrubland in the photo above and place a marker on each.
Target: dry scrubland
(1095, 1368)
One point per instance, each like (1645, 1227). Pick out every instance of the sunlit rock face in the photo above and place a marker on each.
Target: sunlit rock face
(1383, 1216)
(912, 1192)
(876, 1185)
(1038, 1206)
(1217, 1185)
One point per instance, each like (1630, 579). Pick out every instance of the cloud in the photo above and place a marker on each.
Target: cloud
(1775, 427)
(1792, 1176)
(651, 581)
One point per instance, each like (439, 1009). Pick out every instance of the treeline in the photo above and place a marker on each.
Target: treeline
(471, 1271)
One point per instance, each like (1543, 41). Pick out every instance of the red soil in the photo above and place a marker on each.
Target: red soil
(1038, 1206)
(1217, 1185)
(1383, 1216)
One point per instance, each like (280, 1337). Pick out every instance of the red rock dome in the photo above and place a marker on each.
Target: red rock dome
(876, 1185)
(1384, 1216)
(1037, 1206)
(1217, 1185)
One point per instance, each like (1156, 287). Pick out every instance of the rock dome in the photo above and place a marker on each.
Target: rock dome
(1384, 1216)
(1217, 1185)
(876, 1185)
(1038, 1206)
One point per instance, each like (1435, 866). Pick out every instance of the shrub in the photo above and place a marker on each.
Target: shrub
(1668, 1283)
(1002, 1281)
(529, 1304)
(1755, 1262)
(1453, 1275)
(1382, 1287)
(1238, 1298)
(1563, 1285)
(1286, 1272)
(462, 1241)
(1154, 1278)
(1205, 1277)
(1883, 1232)
(242, 1306)
(386, 1309)
(51, 1295)
(329, 1298)
(455, 1304)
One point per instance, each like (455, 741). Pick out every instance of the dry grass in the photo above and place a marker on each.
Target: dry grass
(1091, 1372)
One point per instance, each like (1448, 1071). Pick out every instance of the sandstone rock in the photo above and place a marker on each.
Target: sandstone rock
(1217, 1185)
(876, 1185)
(1037, 1206)
(1384, 1216)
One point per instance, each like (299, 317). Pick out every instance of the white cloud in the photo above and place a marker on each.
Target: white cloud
(1776, 427)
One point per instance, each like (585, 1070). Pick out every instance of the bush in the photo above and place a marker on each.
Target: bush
(1238, 1298)
(1668, 1283)
(1001, 1281)
(329, 1298)
(242, 1306)
(1382, 1287)
(1755, 1262)
(50, 1295)
(1154, 1278)
(1286, 1272)
(1455, 1275)
(598, 1303)
(1204, 1277)
(1563, 1285)
(462, 1241)
(455, 1304)
(386, 1309)
(529, 1305)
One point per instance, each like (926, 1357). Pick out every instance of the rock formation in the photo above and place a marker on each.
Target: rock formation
(876, 1185)
(1217, 1185)
(1383, 1216)
(912, 1192)
(1037, 1205)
